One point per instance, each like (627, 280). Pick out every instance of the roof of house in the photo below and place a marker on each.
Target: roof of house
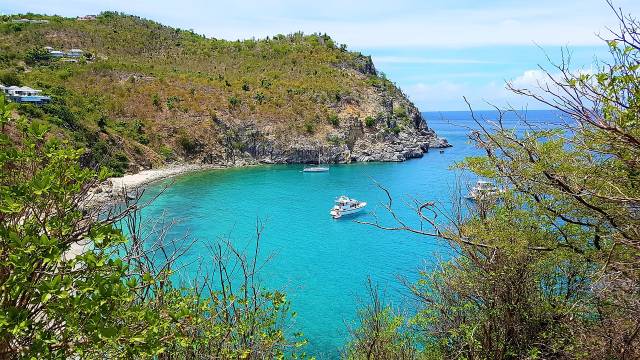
(22, 88)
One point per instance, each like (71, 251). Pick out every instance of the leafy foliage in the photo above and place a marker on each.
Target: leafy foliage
(72, 285)
(548, 268)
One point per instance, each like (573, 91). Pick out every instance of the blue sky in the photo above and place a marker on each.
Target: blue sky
(436, 51)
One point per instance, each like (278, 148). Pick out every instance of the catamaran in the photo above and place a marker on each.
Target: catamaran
(346, 206)
(316, 168)
(483, 189)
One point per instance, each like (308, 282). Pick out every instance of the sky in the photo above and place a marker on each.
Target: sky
(436, 51)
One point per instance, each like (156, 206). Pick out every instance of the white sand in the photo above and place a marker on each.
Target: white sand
(145, 177)
(113, 189)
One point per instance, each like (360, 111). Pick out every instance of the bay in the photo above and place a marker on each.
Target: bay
(323, 264)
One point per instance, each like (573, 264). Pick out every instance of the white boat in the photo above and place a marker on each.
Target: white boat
(483, 189)
(316, 168)
(346, 206)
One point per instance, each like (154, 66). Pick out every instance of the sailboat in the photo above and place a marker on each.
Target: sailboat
(316, 168)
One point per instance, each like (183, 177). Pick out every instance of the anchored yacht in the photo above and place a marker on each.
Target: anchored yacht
(316, 168)
(483, 189)
(346, 206)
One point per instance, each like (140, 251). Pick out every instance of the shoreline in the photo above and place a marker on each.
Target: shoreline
(146, 177)
(115, 189)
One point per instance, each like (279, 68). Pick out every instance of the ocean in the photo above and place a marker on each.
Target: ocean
(321, 263)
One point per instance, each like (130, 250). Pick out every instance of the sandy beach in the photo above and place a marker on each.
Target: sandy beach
(114, 188)
(145, 177)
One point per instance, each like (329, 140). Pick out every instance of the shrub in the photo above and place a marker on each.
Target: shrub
(189, 145)
(400, 112)
(10, 78)
(31, 111)
(118, 163)
(234, 101)
(172, 102)
(333, 120)
(369, 121)
(265, 83)
(102, 122)
(259, 97)
(62, 112)
(155, 100)
(166, 152)
(113, 298)
(36, 55)
(309, 127)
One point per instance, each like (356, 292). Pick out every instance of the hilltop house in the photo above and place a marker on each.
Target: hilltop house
(86, 17)
(74, 53)
(32, 21)
(24, 94)
(56, 53)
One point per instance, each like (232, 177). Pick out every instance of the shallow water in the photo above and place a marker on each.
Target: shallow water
(323, 264)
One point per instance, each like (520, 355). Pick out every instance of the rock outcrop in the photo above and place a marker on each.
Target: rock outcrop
(381, 124)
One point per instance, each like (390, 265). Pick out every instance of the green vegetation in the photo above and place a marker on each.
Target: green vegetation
(136, 69)
(72, 286)
(10, 78)
(548, 269)
(369, 121)
(333, 120)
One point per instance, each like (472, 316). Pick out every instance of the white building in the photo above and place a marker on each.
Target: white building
(24, 94)
(74, 53)
(25, 21)
(21, 91)
(86, 18)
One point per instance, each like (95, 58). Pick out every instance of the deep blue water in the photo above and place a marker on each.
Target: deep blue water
(321, 263)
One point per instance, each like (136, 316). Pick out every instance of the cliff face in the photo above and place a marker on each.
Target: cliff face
(351, 141)
(382, 125)
(145, 94)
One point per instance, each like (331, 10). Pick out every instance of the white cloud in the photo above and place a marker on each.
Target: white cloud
(448, 95)
(372, 24)
(531, 79)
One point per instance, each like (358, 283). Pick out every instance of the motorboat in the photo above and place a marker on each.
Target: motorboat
(346, 206)
(483, 189)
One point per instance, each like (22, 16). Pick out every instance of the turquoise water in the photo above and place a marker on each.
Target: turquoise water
(321, 263)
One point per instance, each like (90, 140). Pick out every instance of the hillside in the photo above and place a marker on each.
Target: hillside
(145, 94)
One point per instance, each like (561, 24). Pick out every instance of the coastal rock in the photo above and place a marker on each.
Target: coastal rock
(353, 142)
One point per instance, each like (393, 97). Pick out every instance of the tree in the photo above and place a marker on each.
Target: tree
(550, 269)
(53, 304)
(36, 55)
(10, 78)
(381, 333)
(72, 285)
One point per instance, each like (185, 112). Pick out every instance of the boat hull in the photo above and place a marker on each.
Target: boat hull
(315, 169)
(337, 213)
